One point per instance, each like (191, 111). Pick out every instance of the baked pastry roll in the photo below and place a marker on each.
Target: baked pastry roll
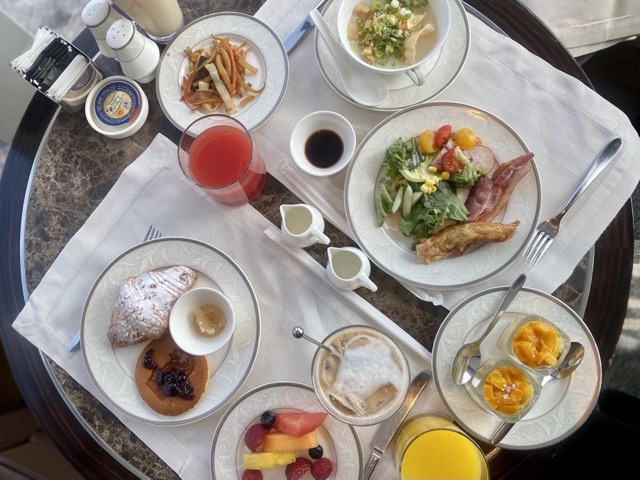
(142, 310)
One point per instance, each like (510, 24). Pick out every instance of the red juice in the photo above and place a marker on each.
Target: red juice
(222, 155)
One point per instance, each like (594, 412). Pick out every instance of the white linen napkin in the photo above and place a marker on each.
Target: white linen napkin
(153, 191)
(590, 25)
(562, 121)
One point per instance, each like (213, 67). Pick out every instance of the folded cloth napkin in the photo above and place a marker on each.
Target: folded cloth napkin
(591, 25)
(562, 121)
(154, 191)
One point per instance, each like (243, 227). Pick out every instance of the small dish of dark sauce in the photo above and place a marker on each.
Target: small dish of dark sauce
(324, 148)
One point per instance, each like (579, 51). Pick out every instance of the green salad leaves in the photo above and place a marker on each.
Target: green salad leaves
(432, 197)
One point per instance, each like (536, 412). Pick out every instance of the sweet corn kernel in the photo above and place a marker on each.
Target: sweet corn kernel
(445, 175)
(431, 169)
(430, 182)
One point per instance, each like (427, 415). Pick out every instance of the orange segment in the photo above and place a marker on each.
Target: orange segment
(507, 389)
(537, 344)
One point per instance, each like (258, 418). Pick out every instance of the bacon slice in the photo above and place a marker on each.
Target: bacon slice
(455, 239)
(489, 196)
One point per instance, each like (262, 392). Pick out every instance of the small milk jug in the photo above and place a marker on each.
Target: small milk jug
(302, 225)
(349, 268)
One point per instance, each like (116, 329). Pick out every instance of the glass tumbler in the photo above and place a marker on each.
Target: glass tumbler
(429, 447)
(217, 153)
(160, 19)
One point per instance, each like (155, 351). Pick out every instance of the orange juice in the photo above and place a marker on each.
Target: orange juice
(429, 448)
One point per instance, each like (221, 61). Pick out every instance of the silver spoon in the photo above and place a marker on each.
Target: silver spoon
(467, 360)
(298, 332)
(366, 88)
(564, 369)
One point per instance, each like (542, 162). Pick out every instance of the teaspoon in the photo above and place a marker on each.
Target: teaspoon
(298, 332)
(364, 87)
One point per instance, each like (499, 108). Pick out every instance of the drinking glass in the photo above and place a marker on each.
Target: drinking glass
(429, 447)
(217, 153)
(365, 378)
(160, 19)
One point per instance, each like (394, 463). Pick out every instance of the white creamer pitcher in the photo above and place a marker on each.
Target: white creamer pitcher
(302, 225)
(349, 268)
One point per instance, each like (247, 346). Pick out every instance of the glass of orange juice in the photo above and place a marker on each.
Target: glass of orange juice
(217, 153)
(429, 447)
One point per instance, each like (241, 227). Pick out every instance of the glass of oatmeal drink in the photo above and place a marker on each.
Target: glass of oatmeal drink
(160, 19)
(365, 380)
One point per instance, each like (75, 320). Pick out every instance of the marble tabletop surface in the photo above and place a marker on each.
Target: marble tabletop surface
(77, 167)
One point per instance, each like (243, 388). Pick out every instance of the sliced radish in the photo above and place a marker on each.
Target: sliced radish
(483, 158)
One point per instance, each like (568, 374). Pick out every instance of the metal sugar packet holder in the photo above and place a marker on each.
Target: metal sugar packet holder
(58, 69)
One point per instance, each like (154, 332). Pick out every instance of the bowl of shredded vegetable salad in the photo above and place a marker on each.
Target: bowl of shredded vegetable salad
(390, 37)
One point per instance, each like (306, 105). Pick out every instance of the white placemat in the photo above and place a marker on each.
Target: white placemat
(153, 191)
(562, 121)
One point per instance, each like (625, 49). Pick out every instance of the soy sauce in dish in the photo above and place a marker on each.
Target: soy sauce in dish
(324, 148)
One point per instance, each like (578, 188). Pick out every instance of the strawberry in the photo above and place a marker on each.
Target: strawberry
(255, 436)
(252, 475)
(321, 469)
(297, 469)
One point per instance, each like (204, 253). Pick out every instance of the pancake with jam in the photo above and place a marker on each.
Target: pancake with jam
(170, 380)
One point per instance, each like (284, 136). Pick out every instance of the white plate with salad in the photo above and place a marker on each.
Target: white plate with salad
(389, 238)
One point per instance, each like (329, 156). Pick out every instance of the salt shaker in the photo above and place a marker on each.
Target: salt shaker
(98, 16)
(138, 55)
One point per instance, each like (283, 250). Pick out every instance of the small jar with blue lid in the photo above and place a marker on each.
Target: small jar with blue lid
(117, 107)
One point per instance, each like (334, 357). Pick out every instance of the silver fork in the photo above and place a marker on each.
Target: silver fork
(151, 234)
(548, 229)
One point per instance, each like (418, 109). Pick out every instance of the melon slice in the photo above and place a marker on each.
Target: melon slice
(282, 442)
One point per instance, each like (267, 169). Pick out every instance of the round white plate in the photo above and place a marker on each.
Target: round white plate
(402, 92)
(113, 368)
(388, 248)
(339, 440)
(563, 405)
(267, 55)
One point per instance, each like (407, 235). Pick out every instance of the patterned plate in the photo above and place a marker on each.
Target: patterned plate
(402, 92)
(113, 368)
(388, 248)
(339, 440)
(563, 405)
(267, 55)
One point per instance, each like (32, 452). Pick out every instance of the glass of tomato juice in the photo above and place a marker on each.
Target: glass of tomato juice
(217, 153)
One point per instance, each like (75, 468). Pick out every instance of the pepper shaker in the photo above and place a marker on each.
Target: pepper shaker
(138, 55)
(98, 16)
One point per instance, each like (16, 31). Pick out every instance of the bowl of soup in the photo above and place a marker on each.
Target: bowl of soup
(391, 37)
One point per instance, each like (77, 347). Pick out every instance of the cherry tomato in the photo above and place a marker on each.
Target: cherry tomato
(427, 141)
(465, 138)
(442, 135)
(450, 163)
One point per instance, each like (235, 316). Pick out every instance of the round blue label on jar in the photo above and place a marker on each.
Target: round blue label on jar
(117, 103)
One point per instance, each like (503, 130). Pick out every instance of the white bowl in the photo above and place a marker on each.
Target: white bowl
(182, 324)
(312, 124)
(439, 14)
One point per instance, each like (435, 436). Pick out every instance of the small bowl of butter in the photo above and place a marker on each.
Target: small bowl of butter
(202, 321)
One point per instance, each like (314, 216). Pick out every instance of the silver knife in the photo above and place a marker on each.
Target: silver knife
(297, 34)
(389, 427)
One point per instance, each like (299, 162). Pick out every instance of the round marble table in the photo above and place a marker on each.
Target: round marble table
(60, 171)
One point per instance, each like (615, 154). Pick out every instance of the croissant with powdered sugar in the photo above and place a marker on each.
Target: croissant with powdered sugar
(142, 310)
